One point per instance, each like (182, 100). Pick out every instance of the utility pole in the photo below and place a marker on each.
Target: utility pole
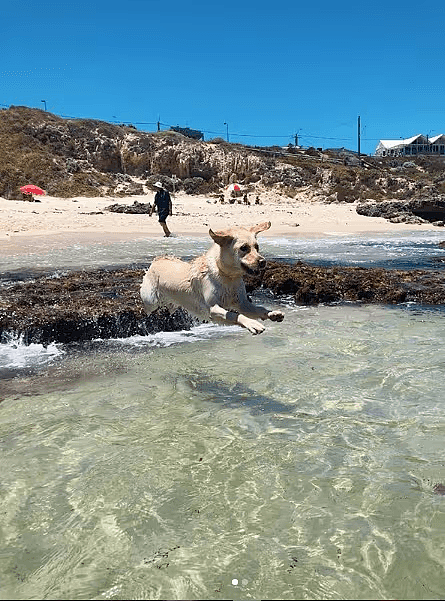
(44, 102)
(227, 130)
(358, 134)
(159, 123)
(428, 140)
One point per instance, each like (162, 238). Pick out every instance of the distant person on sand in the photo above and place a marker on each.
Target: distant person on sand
(163, 205)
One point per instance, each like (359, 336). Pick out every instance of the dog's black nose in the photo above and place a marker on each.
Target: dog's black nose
(262, 263)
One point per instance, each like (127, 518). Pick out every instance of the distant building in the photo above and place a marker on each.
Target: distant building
(341, 151)
(411, 146)
(190, 133)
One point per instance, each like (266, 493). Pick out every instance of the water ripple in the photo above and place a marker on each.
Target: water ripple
(304, 463)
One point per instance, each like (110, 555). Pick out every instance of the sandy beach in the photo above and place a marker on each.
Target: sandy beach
(59, 221)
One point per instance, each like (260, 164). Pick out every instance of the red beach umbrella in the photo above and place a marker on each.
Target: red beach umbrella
(30, 189)
(234, 188)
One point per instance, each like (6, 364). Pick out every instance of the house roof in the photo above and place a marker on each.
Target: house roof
(407, 141)
(395, 143)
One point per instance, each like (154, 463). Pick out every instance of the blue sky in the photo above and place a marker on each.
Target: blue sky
(268, 70)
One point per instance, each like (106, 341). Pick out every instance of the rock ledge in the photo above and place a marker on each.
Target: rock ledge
(106, 303)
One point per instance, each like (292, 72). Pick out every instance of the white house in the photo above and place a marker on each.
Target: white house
(411, 146)
(437, 144)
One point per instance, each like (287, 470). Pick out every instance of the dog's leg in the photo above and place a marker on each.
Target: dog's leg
(149, 294)
(257, 312)
(220, 315)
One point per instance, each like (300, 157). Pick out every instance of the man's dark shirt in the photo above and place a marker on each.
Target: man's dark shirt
(163, 203)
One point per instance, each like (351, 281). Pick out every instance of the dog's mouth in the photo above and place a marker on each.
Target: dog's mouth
(250, 270)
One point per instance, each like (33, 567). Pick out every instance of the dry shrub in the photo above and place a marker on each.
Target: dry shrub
(343, 175)
(80, 184)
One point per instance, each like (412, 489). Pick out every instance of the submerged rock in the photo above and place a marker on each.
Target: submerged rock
(439, 489)
(104, 303)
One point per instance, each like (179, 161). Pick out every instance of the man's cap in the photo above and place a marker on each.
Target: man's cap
(158, 185)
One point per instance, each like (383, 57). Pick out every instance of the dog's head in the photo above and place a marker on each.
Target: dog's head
(239, 249)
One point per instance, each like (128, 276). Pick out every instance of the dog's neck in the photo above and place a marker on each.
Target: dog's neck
(214, 254)
(226, 273)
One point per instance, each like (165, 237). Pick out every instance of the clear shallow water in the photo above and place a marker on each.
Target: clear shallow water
(211, 464)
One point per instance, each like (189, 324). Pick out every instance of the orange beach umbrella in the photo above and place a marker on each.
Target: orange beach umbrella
(30, 189)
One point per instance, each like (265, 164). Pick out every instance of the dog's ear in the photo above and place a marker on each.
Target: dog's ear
(260, 227)
(221, 238)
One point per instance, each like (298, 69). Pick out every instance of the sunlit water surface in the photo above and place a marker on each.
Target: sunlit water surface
(302, 463)
(403, 250)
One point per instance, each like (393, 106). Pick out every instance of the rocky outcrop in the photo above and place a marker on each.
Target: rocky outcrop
(420, 210)
(137, 208)
(86, 157)
(106, 303)
(82, 306)
(310, 284)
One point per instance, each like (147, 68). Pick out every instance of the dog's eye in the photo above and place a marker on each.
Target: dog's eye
(245, 248)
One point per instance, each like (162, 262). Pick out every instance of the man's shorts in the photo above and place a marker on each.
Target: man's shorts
(163, 214)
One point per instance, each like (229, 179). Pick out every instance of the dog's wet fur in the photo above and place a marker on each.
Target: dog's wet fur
(211, 287)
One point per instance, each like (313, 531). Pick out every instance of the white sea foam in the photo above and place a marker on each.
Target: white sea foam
(165, 339)
(17, 355)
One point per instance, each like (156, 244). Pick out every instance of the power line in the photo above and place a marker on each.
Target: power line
(206, 131)
(219, 133)
(323, 137)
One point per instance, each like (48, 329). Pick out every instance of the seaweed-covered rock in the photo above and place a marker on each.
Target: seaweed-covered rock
(82, 306)
(311, 284)
(137, 208)
(107, 304)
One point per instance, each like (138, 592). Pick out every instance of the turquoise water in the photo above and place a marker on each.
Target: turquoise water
(301, 463)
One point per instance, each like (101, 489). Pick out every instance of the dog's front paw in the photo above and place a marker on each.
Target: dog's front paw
(254, 327)
(275, 315)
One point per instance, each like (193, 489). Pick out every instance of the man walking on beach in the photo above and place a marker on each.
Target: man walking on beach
(163, 205)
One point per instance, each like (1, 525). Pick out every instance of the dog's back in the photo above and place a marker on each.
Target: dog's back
(172, 282)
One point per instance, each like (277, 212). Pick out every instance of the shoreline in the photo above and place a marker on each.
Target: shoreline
(54, 221)
(42, 241)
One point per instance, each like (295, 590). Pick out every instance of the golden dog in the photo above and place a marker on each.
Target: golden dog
(211, 286)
